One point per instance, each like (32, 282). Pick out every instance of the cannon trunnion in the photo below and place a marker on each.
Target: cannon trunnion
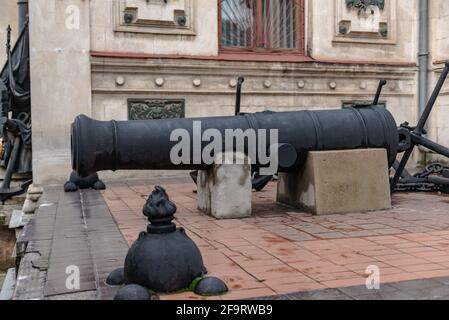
(146, 145)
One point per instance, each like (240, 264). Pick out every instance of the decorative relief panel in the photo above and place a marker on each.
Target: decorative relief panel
(364, 5)
(154, 16)
(365, 21)
(147, 109)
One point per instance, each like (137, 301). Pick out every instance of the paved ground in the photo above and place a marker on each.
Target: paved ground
(279, 250)
(70, 231)
(422, 289)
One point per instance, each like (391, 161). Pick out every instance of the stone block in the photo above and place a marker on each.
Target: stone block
(7, 291)
(29, 206)
(34, 189)
(16, 219)
(334, 182)
(224, 191)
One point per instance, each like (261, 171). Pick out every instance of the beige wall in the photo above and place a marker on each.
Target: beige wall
(439, 15)
(8, 15)
(66, 81)
(403, 29)
(320, 37)
(60, 81)
(216, 96)
(439, 52)
(204, 42)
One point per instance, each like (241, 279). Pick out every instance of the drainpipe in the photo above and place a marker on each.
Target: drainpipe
(23, 13)
(423, 54)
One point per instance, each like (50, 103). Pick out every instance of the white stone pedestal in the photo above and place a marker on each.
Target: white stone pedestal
(224, 191)
(338, 182)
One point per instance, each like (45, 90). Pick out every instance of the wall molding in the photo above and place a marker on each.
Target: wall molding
(375, 25)
(175, 92)
(222, 68)
(294, 58)
(170, 18)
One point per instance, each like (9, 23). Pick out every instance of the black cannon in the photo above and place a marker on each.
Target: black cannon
(116, 145)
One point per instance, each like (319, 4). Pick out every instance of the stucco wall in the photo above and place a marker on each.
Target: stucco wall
(293, 86)
(438, 126)
(60, 81)
(204, 42)
(439, 38)
(402, 24)
(67, 81)
(8, 16)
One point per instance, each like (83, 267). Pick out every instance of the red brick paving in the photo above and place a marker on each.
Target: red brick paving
(282, 250)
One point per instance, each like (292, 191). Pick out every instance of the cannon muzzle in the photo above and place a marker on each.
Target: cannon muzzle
(147, 145)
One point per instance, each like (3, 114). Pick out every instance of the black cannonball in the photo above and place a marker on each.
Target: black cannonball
(116, 277)
(84, 182)
(211, 286)
(70, 187)
(132, 292)
(99, 185)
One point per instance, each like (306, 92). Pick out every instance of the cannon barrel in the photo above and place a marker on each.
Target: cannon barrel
(146, 145)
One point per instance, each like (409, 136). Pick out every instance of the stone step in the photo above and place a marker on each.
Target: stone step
(19, 219)
(8, 285)
(16, 219)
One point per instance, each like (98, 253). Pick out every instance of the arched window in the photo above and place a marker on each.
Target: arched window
(262, 25)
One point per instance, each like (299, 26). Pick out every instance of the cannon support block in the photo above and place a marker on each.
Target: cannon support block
(224, 190)
(334, 182)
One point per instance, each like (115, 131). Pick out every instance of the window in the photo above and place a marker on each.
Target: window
(261, 25)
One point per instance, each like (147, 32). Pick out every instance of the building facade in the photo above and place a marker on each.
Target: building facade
(138, 59)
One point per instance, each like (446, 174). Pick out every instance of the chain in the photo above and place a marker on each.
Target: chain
(421, 187)
(432, 169)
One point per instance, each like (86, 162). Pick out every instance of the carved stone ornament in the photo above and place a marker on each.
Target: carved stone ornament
(363, 5)
(147, 109)
(366, 21)
(154, 16)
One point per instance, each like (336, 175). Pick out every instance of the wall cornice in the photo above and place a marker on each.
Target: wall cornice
(247, 92)
(245, 57)
(222, 68)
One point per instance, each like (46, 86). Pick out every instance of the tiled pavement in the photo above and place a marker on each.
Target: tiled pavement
(69, 230)
(280, 250)
(422, 289)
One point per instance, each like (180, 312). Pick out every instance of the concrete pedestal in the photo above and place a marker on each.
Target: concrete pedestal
(338, 182)
(224, 191)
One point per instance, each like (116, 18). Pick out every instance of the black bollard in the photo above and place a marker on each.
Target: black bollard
(163, 259)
